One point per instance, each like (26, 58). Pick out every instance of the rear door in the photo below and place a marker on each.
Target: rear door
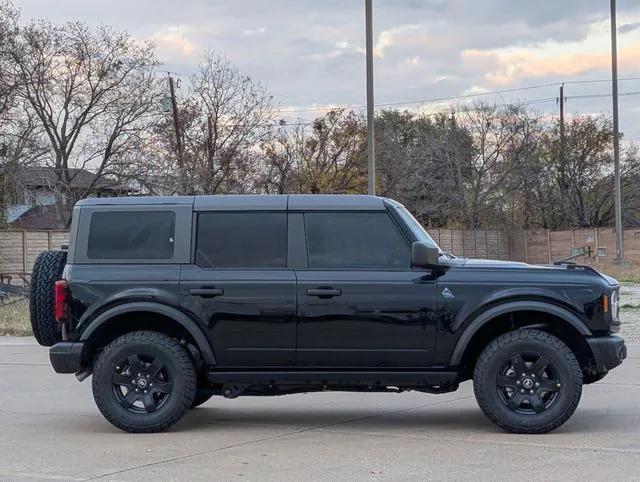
(239, 285)
(360, 303)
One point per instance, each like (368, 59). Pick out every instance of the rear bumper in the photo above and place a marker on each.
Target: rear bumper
(608, 351)
(66, 357)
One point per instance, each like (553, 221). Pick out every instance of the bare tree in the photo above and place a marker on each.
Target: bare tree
(8, 30)
(93, 93)
(500, 137)
(223, 116)
(424, 162)
(327, 156)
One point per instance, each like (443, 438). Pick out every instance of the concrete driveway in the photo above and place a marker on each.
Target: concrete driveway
(51, 429)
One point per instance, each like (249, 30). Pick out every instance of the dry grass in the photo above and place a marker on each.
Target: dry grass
(14, 318)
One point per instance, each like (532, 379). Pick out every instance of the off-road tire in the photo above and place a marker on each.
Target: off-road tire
(499, 352)
(46, 271)
(181, 371)
(32, 299)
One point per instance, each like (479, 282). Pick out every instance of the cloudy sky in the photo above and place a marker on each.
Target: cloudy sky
(310, 53)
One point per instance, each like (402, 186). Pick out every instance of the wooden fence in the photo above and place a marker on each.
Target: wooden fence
(543, 246)
(474, 243)
(19, 250)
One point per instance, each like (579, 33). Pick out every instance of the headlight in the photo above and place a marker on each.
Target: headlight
(615, 305)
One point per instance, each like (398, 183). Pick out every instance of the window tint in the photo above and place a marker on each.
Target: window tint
(242, 240)
(131, 235)
(355, 240)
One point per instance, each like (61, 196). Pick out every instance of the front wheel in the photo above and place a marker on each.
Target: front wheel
(144, 382)
(527, 381)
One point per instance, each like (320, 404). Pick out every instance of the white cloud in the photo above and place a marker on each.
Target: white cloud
(255, 31)
(173, 43)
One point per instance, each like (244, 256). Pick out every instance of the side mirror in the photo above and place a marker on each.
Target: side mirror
(423, 255)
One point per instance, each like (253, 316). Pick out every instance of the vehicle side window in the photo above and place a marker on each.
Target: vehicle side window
(242, 240)
(131, 235)
(355, 240)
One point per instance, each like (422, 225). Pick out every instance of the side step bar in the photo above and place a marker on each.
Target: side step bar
(393, 378)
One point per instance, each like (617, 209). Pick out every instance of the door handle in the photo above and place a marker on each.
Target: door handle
(324, 292)
(207, 292)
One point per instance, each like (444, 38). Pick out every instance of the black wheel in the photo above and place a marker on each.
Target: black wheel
(527, 381)
(46, 271)
(144, 382)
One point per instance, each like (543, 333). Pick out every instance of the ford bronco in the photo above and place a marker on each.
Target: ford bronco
(168, 301)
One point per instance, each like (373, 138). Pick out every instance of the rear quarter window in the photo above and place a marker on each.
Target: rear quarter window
(131, 235)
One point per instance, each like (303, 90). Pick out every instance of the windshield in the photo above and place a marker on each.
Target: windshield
(416, 227)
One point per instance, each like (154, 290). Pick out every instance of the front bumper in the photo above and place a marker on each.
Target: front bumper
(66, 356)
(608, 351)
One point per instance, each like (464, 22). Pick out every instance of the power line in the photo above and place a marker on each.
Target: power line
(594, 96)
(455, 97)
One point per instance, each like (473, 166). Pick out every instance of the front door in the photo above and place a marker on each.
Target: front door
(240, 288)
(360, 304)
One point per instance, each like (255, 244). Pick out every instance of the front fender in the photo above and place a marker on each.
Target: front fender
(510, 307)
(150, 307)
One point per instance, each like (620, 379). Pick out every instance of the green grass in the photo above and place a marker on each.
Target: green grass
(629, 280)
(629, 306)
(14, 318)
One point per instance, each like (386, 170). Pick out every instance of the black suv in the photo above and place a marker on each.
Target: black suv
(168, 301)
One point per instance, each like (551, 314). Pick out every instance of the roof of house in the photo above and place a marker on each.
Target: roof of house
(38, 217)
(35, 177)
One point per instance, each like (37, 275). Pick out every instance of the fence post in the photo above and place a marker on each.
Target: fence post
(526, 248)
(24, 251)
(48, 240)
(549, 245)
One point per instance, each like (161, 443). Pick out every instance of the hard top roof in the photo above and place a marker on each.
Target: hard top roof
(250, 202)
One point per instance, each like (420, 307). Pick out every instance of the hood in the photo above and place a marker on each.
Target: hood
(488, 263)
(492, 263)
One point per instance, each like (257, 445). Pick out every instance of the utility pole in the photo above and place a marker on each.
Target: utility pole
(616, 135)
(562, 124)
(371, 153)
(176, 126)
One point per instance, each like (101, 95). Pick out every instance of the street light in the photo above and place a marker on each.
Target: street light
(371, 155)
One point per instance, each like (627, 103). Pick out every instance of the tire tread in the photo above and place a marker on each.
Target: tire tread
(46, 271)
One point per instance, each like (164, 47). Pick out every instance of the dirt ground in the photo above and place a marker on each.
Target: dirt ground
(14, 318)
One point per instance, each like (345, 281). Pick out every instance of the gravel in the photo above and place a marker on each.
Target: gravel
(630, 312)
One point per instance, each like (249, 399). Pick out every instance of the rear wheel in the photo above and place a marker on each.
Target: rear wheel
(527, 381)
(46, 271)
(144, 382)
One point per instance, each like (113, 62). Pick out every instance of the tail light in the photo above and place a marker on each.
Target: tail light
(61, 300)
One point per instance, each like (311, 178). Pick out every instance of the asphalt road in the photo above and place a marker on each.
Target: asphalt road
(50, 429)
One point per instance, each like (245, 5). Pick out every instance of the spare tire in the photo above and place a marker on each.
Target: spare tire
(32, 299)
(46, 271)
